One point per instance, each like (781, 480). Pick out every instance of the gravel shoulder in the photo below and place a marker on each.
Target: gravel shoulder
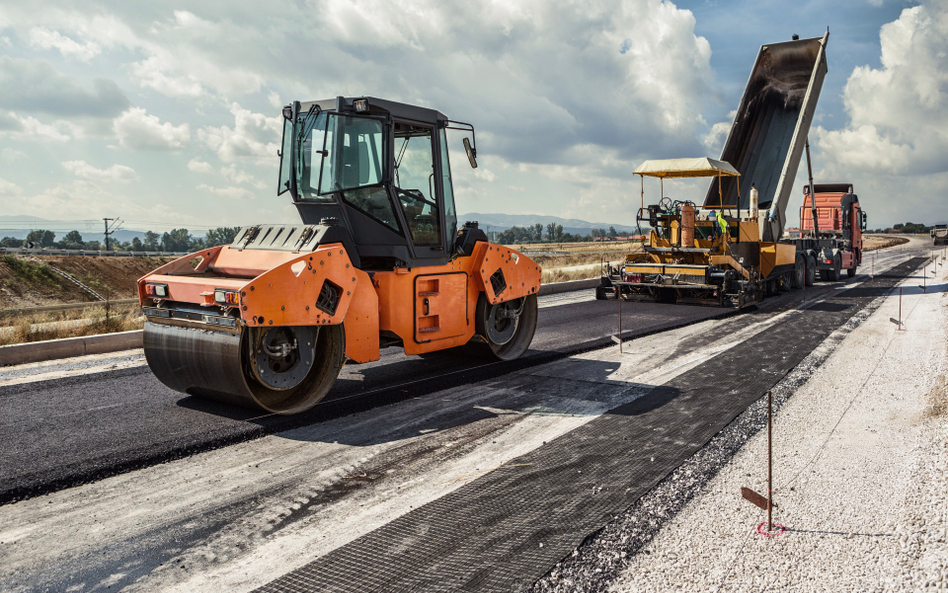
(860, 478)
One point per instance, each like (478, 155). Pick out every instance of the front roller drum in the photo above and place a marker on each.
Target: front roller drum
(284, 370)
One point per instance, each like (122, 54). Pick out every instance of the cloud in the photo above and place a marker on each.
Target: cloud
(485, 174)
(254, 135)
(607, 82)
(188, 57)
(45, 39)
(199, 166)
(114, 174)
(896, 140)
(78, 197)
(237, 193)
(11, 155)
(717, 135)
(9, 189)
(137, 130)
(899, 112)
(29, 128)
(35, 85)
(232, 175)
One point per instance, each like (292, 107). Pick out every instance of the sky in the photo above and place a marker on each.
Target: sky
(167, 114)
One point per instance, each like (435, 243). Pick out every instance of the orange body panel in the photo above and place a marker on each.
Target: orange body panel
(429, 308)
(362, 321)
(520, 273)
(450, 315)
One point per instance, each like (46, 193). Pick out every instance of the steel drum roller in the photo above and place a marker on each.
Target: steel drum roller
(217, 365)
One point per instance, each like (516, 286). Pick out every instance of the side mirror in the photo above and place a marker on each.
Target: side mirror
(471, 153)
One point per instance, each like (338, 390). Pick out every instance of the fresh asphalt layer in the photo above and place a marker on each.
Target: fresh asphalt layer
(75, 429)
(503, 531)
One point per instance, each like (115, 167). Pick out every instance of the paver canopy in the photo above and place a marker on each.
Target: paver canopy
(694, 167)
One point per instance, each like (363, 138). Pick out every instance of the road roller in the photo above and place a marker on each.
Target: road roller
(378, 260)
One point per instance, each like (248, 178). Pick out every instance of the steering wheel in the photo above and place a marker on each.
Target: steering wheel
(665, 204)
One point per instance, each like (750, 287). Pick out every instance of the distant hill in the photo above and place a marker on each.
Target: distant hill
(500, 222)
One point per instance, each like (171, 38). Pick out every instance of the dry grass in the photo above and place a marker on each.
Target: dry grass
(578, 261)
(71, 324)
(874, 242)
(937, 404)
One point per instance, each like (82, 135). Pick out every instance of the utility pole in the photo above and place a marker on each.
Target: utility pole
(109, 229)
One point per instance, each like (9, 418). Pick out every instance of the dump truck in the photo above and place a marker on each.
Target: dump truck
(940, 234)
(377, 261)
(686, 258)
(834, 242)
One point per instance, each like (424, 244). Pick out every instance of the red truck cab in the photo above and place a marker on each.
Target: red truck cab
(839, 217)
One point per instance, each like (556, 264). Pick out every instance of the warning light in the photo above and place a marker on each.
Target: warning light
(158, 291)
(226, 297)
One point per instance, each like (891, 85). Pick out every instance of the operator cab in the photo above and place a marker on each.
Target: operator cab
(378, 168)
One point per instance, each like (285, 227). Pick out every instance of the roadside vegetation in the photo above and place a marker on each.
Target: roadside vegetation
(873, 242)
(104, 319)
(23, 270)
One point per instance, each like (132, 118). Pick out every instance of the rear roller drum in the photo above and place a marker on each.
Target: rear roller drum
(284, 370)
(508, 327)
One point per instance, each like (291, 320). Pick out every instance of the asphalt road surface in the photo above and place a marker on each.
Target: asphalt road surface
(84, 426)
(254, 497)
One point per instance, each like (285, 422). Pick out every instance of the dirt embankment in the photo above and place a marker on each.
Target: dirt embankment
(31, 281)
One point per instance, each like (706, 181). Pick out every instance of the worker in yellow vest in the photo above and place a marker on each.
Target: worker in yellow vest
(723, 224)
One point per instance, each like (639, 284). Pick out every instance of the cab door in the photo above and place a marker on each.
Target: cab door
(440, 308)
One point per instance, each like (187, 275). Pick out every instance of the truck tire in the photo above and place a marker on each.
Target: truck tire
(850, 272)
(810, 270)
(798, 275)
(604, 293)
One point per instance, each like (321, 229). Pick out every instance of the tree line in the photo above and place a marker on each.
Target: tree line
(174, 240)
(551, 233)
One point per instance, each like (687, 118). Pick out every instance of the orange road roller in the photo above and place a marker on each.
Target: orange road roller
(378, 261)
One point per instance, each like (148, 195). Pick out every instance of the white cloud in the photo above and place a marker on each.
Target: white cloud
(44, 38)
(113, 174)
(199, 166)
(78, 198)
(18, 127)
(187, 56)
(158, 72)
(35, 85)
(137, 130)
(238, 193)
(232, 175)
(9, 189)
(11, 155)
(253, 135)
(607, 82)
(717, 135)
(899, 112)
(896, 140)
(485, 174)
